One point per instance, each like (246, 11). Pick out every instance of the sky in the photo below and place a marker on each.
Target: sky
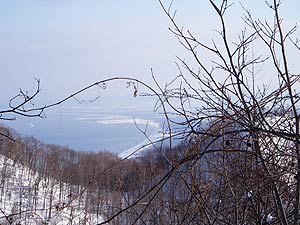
(69, 44)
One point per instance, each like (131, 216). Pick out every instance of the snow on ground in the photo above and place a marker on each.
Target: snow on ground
(27, 198)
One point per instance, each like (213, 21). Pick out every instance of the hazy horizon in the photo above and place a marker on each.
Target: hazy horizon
(71, 44)
(92, 127)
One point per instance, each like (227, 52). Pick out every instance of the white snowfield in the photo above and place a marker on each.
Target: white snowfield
(29, 199)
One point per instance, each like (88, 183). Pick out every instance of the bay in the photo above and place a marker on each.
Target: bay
(91, 128)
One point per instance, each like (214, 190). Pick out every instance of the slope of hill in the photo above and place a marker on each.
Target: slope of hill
(27, 198)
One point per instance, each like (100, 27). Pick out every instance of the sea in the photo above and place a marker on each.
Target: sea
(93, 127)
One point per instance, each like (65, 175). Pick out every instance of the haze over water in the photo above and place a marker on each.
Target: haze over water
(92, 127)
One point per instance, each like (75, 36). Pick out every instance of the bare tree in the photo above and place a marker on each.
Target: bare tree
(242, 161)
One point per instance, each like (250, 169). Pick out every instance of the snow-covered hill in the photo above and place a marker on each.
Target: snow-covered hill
(27, 198)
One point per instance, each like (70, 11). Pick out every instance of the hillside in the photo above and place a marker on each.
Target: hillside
(51, 184)
(28, 198)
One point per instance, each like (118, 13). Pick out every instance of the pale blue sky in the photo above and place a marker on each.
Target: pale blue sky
(71, 43)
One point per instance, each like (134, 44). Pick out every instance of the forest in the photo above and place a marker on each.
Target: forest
(188, 184)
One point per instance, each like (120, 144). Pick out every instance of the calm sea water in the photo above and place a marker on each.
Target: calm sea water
(91, 128)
